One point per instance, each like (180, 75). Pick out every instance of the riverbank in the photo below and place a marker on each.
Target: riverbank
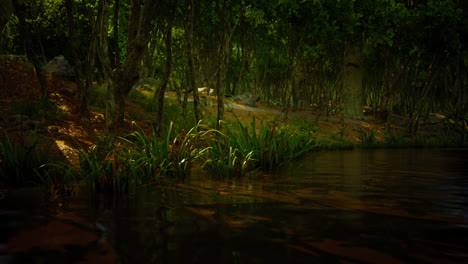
(61, 136)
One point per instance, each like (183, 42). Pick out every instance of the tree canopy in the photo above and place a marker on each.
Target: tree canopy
(406, 57)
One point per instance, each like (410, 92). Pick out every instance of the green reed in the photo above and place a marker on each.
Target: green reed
(226, 161)
(21, 161)
(242, 148)
(142, 159)
(367, 137)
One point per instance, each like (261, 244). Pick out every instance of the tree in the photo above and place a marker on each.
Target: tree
(31, 44)
(160, 92)
(121, 80)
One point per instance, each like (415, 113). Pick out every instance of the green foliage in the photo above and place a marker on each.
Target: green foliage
(144, 159)
(109, 173)
(182, 119)
(224, 161)
(394, 138)
(46, 110)
(333, 142)
(242, 148)
(304, 125)
(367, 137)
(10, 37)
(174, 114)
(21, 161)
(59, 179)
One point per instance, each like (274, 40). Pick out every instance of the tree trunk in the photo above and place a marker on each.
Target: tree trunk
(102, 26)
(159, 94)
(30, 45)
(190, 55)
(219, 90)
(115, 22)
(352, 83)
(83, 95)
(139, 27)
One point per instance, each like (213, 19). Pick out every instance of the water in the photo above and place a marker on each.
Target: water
(360, 206)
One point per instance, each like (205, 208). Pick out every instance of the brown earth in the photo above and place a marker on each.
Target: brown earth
(18, 84)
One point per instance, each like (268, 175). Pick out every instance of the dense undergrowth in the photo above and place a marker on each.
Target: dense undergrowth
(142, 157)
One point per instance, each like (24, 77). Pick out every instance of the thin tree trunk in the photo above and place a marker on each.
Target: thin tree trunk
(352, 83)
(102, 24)
(83, 95)
(29, 45)
(159, 94)
(190, 55)
(116, 34)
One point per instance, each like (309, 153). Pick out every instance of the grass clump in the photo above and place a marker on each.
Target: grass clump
(21, 161)
(394, 138)
(242, 148)
(46, 110)
(367, 137)
(333, 142)
(141, 159)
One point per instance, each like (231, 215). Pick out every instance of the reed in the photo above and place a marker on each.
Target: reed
(226, 161)
(59, 179)
(394, 138)
(145, 159)
(104, 171)
(21, 161)
(367, 137)
(171, 156)
(242, 148)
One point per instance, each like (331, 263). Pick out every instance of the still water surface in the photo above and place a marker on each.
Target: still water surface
(359, 206)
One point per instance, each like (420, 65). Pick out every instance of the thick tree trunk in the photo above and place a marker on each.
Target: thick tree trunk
(139, 28)
(352, 83)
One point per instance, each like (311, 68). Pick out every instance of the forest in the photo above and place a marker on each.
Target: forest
(391, 60)
(233, 131)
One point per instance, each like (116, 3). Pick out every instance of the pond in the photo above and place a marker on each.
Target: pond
(358, 206)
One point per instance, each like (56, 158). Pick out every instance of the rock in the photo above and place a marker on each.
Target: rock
(31, 125)
(245, 99)
(19, 58)
(60, 68)
(67, 92)
(206, 91)
(53, 129)
(148, 83)
(18, 118)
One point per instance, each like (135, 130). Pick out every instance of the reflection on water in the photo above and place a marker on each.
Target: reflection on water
(378, 206)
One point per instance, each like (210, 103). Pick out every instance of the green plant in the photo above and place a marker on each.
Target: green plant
(106, 171)
(305, 125)
(394, 138)
(243, 148)
(226, 161)
(181, 119)
(21, 161)
(144, 160)
(59, 179)
(367, 137)
(47, 110)
(333, 142)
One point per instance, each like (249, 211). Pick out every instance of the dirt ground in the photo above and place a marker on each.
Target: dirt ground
(18, 83)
